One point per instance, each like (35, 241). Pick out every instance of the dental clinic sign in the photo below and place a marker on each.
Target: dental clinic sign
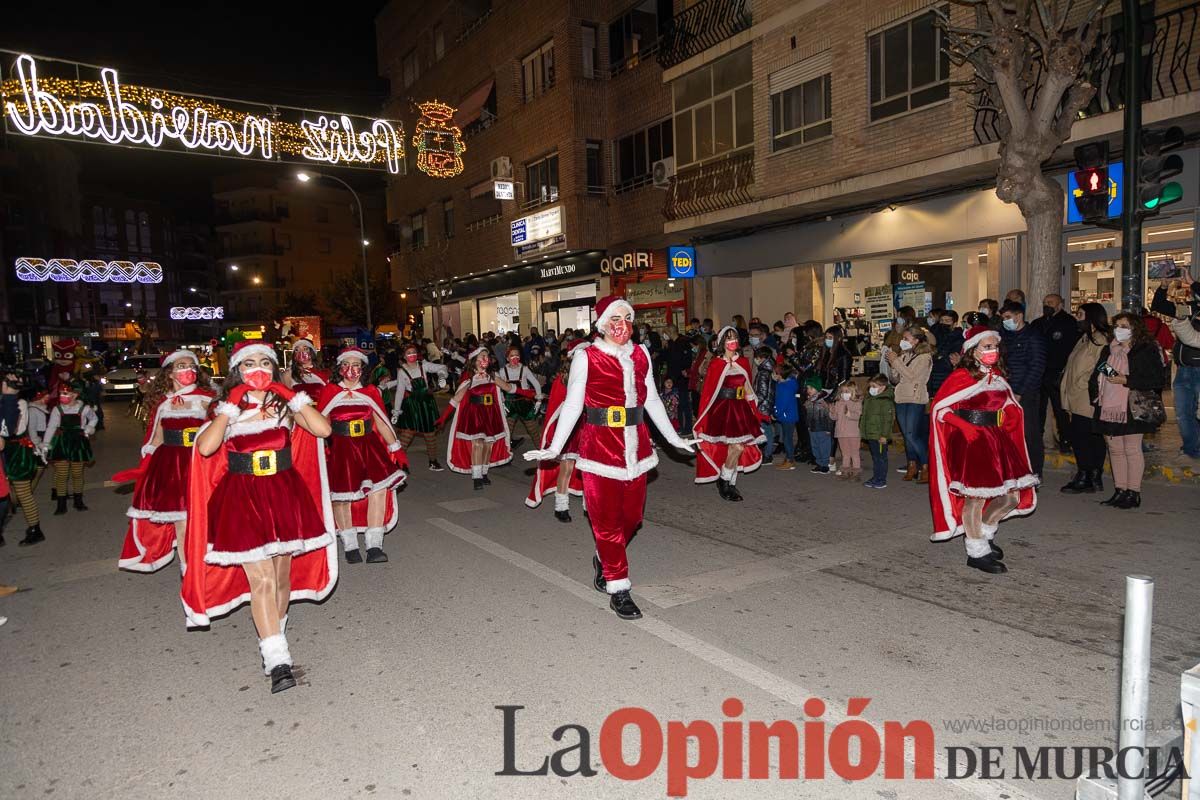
(69, 100)
(537, 227)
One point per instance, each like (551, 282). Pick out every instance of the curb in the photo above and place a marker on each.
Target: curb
(1164, 472)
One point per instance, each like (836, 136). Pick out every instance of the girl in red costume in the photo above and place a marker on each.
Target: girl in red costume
(729, 426)
(178, 399)
(980, 472)
(479, 436)
(305, 372)
(260, 526)
(366, 462)
(558, 476)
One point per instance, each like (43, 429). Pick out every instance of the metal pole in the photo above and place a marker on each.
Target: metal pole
(1135, 687)
(1131, 227)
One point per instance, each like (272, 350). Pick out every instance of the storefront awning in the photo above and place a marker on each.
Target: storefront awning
(472, 105)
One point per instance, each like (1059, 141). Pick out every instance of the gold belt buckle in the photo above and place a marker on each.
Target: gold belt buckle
(488, 399)
(358, 427)
(740, 393)
(1000, 418)
(263, 463)
(189, 436)
(615, 416)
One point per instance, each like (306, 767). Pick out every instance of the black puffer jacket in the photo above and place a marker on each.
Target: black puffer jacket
(764, 387)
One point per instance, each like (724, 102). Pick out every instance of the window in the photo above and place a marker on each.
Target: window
(801, 113)
(637, 152)
(98, 226)
(537, 71)
(542, 181)
(439, 42)
(324, 244)
(144, 231)
(482, 204)
(714, 109)
(634, 35)
(908, 66)
(322, 214)
(411, 68)
(594, 170)
(131, 231)
(285, 241)
(591, 35)
(448, 218)
(281, 210)
(417, 222)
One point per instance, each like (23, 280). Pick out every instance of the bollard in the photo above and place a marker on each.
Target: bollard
(1135, 686)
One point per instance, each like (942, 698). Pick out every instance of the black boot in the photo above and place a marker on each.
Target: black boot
(598, 579)
(53, 494)
(1132, 499)
(375, 555)
(282, 678)
(79, 506)
(353, 556)
(1079, 484)
(1097, 476)
(61, 508)
(435, 465)
(1, 540)
(516, 443)
(486, 480)
(1112, 501)
(623, 604)
(997, 553)
(988, 563)
(477, 483)
(33, 535)
(723, 488)
(732, 493)
(562, 516)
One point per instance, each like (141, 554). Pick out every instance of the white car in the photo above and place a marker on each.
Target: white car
(123, 380)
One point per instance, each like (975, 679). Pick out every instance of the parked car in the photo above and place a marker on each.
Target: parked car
(123, 381)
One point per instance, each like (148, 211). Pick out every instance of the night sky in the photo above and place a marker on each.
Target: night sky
(263, 52)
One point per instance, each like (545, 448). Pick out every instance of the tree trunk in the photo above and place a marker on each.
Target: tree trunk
(1042, 208)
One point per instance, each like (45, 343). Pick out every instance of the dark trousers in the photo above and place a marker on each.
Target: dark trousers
(1030, 402)
(1052, 395)
(1086, 443)
(685, 413)
(879, 460)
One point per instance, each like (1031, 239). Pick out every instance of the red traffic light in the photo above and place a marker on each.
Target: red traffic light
(1092, 181)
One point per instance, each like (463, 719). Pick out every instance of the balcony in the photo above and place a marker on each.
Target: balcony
(1169, 66)
(711, 187)
(231, 217)
(700, 27)
(251, 249)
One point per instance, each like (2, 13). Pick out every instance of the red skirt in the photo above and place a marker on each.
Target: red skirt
(478, 421)
(731, 421)
(983, 461)
(161, 494)
(251, 518)
(359, 466)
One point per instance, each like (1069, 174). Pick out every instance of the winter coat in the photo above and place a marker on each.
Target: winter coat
(1074, 384)
(764, 386)
(878, 416)
(816, 415)
(949, 340)
(845, 413)
(1060, 331)
(1145, 372)
(787, 404)
(1025, 354)
(910, 373)
(835, 370)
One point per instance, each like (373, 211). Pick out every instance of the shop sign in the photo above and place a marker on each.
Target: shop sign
(555, 272)
(554, 243)
(652, 293)
(842, 269)
(879, 302)
(681, 262)
(909, 294)
(637, 261)
(536, 227)
(503, 190)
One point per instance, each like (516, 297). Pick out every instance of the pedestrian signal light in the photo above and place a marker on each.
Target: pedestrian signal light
(1093, 193)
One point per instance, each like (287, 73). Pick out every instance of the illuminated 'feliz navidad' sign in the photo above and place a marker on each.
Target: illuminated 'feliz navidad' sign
(62, 99)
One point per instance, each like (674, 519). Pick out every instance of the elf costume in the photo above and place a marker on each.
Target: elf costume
(68, 443)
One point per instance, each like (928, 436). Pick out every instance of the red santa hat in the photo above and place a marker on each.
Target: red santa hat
(351, 352)
(296, 345)
(476, 351)
(245, 349)
(171, 358)
(977, 334)
(607, 306)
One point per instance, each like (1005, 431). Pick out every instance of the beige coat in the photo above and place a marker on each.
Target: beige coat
(1074, 385)
(911, 375)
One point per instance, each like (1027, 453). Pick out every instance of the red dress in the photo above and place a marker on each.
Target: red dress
(545, 477)
(253, 517)
(479, 416)
(358, 465)
(727, 420)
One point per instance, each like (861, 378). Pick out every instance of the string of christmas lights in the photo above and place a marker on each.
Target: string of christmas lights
(67, 270)
(439, 143)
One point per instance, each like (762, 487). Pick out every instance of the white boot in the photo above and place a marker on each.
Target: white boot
(274, 650)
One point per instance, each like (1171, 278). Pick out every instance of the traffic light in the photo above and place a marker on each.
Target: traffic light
(1154, 190)
(1092, 192)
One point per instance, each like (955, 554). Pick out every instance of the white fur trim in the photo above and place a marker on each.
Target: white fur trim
(488, 437)
(138, 563)
(374, 538)
(253, 350)
(349, 539)
(189, 410)
(979, 337)
(161, 517)
(148, 449)
(296, 345)
(229, 410)
(390, 482)
(177, 355)
(989, 531)
(945, 536)
(626, 473)
(299, 401)
(268, 550)
(1024, 482)
(978, 548)
(477, 351)
(274, 650)
(476, 471)
(760, 439)
(395, 446)
(562, 502)
(623, 585)
(344, 357)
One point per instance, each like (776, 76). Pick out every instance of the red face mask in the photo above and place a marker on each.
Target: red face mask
(732, 346)
(185, 377)
(304, 356)
(514, 360)
(620, 331)
(352, 372)
(411, 358)
(988, 357)
(482, 364)
(66, 399)
(258, 378)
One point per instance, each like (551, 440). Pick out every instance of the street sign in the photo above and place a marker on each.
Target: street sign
(681, 262)
(503, 190)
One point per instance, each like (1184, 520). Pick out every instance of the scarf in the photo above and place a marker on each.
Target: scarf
(1114, 398)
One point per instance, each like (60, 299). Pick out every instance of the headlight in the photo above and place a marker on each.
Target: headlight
(103, 381)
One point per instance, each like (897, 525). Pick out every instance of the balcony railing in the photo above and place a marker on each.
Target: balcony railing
(705, 24)
(1170, 66)
(711, 187)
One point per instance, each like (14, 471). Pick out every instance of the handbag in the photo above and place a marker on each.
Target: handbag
(1146, 407)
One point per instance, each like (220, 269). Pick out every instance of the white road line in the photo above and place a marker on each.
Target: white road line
(782, 688)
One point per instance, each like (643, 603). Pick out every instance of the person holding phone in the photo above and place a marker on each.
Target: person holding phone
(1184, 322)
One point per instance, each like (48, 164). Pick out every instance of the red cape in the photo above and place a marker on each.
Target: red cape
(545, 477)
(459, 456)
(210, 590)
(712, 454)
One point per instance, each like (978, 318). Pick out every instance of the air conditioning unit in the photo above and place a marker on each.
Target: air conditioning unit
(501, 168)
(664, 170)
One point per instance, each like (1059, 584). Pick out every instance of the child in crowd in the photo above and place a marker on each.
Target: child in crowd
(787, 414)
(878, 419)
(820, 424)
(845, 412)
(670, 399)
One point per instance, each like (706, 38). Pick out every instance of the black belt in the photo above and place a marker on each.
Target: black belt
(180, 438)
(738, 393)
(483, 399)
(615, 416)
(984, 419)
(261, 462)
(353, 428)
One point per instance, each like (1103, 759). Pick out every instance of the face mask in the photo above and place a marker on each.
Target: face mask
(620, 331)
(304, 356)
(875, 391)
(900, 324)
(186, 377)
(905, 344)
(1049, 311)
(829, 343)
(706, 329)
(412, 358)
(257, 378)
(989, 357)
(352, 372)
(66, 399)
(755, 341)
(845, 395)
(931, 321)
(732, 347)
(983, 312)
(1122, 334)
(514, 360)
(482, 364)
(1010, 324)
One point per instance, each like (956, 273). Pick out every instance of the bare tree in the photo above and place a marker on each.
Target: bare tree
(432, 275)
(1032, 62)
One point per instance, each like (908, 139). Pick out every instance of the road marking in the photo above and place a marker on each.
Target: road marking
(736, 666)
(472, 504)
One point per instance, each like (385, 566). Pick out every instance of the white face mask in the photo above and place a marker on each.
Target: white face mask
(905, 344)
(875, 391)
(845, 395)
(1122, 334)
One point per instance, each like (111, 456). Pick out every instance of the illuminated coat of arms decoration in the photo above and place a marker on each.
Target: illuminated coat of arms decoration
(438, 141)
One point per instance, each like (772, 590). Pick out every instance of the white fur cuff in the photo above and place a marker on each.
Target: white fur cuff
(989, 531)
(623, 585)
(229, 410)
(374, 537)
(562, 502)
(299, 401)
(394, 446)
(148, 449)
(978, 548)
(349, 539)
(274, 651)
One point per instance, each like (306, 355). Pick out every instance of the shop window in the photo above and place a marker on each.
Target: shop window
(499, 314)
(634, 35)
(542, 181)
(909, 67)
(802, 113)
(537, 71)
(714, 109)
(592, 162)
(417, 223)
(591, 56)
(411, 68)
(637, 152)
(448, 218)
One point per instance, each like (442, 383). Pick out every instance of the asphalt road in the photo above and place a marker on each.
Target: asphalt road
(811, 588)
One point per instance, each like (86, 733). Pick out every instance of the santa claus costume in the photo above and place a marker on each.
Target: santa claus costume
(179, 396)
(979, 464)
(558, 477)
(729, 426)
(611, 391)
(521, 407)
(415, 408)
(479, 436)
(305, 371)
(21, 460)
(366, 462)
(67, 443)
(260, 525)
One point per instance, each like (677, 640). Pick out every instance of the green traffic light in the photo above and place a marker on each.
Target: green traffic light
(1171, 192)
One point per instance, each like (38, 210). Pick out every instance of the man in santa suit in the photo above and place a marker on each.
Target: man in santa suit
(611, 391)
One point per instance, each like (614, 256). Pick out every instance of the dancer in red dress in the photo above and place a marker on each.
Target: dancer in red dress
(260, 526)
(366, 462)
(559, 477)
(178, 399)
(729, 426)
(305, 372)
(979, 464)
(611, 390)
(479, 436)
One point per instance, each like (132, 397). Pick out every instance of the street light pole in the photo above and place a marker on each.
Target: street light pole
(362, 239)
